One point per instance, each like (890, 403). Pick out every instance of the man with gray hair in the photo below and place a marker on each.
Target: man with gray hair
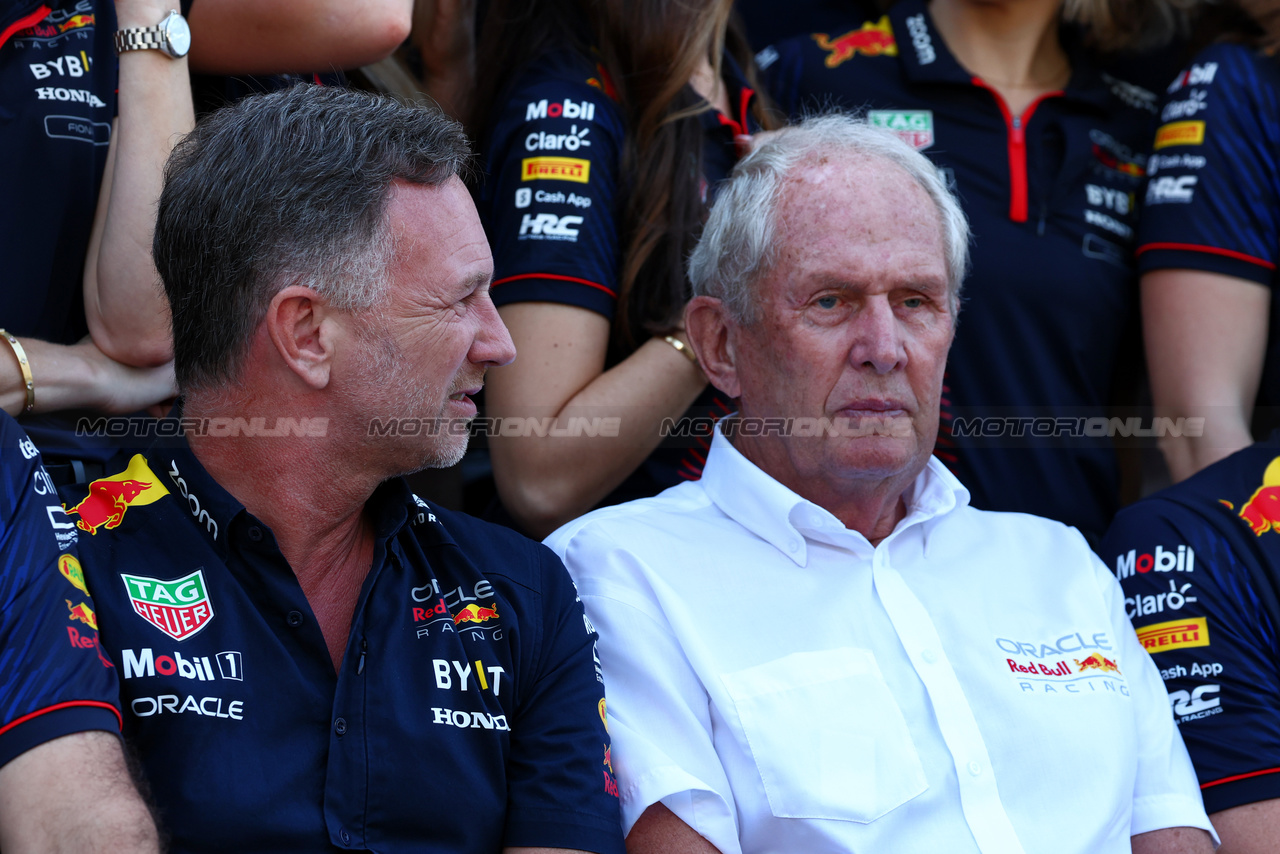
(820, 646)
(312, 657)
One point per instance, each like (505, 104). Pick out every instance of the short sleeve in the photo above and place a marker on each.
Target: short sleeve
(659, 712)
(1213, 191)
(562, 792)
(551, 193)
(54, 678)
(1192, 603)
(1165, 792)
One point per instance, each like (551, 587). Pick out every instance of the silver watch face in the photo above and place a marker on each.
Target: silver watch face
(177, 34)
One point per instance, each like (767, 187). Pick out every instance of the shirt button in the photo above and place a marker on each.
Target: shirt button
(793, 546)
(255, 534)
(344, 836)
(929, 656)
(975, 768)
(294, 619)
(340, 727)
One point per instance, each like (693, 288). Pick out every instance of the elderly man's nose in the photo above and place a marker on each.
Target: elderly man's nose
(878, 343)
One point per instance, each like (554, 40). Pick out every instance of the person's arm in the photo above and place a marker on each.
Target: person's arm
(1249, 829)
(1173, 840)
(559, 372)
(1206, 337)
(125, 306)
(73, 795)
(660, 831)
(279, 36)
(79, 376)
(444, 32)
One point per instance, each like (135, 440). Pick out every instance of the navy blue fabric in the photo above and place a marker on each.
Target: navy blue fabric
(54, 680)
(1213, 202)
(562, 106)
(57, 100)
(466, 715)
(1208, 549)
(1050, 302)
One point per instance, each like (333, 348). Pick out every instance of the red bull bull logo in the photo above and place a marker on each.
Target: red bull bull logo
(608, 757)
(869, 40)
(1262, 510)
(83, 613)
(1097, 662)
(110, 497)
(475, 614)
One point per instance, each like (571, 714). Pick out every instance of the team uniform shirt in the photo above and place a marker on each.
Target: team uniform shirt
(467, 714)
(1200, 567)
(54, 678)
(1213, 197)
(969, 684)
(57, 100)
(1050, 299)
(551, 208)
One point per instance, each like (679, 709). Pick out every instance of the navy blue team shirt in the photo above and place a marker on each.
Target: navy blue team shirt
(1200, 567)
(551, 209)
(1052, 197)
(467, 715)
(58, 74)
(54, 678)
(1213, 200)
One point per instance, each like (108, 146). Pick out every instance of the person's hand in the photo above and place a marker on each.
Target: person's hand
(121, 388)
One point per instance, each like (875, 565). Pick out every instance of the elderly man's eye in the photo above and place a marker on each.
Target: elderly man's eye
(829, 301)
(913, 302)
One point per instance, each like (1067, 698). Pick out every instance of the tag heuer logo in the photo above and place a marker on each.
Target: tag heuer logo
(179, 608)
(914, 127)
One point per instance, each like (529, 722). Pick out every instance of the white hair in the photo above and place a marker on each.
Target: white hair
(738, 244)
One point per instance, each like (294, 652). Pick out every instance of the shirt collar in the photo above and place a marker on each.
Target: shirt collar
(223, 519)
(741, 95)
(785, 520)
(925, 57)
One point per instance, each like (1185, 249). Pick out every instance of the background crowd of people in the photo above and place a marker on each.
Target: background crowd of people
(1118, 162)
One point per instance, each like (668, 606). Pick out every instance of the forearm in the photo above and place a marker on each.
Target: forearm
(1173, 840)
(125, 305)
(546, 480)
(78, 376)
(281, 36)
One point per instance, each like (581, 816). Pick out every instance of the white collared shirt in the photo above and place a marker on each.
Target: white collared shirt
(969, 684)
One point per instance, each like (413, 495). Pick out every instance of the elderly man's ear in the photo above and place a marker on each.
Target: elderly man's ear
(301, 327)
(709, 327)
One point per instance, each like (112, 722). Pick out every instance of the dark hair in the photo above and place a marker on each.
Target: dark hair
(649, 50)
(280, 189)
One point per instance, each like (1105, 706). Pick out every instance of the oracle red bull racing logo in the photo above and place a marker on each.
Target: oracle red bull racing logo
(869, 40)
(180, 608)
(1262, 510)
(110, 497)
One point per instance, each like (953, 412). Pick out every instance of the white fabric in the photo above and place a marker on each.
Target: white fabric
(783, 686)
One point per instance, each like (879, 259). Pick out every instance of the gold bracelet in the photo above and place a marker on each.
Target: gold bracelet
(685, 349)
(26, 369)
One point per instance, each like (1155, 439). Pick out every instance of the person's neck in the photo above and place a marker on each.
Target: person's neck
(308, 490)
(1012, 45)
(873, 507)
(709, 85)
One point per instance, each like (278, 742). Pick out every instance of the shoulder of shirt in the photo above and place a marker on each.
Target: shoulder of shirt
(673, 507)
(496, 549)
(560, 74)
(999, 529)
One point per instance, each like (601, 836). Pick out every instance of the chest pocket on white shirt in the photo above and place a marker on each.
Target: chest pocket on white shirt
(826, 735)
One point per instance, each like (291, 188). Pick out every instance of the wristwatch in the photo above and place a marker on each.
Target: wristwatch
(172, 36)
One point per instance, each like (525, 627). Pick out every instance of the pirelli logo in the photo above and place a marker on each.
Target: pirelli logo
(1175, 634)
(1179, 133)
(555, 169)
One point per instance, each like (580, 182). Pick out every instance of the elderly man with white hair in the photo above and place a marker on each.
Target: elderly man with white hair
(820, 646)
